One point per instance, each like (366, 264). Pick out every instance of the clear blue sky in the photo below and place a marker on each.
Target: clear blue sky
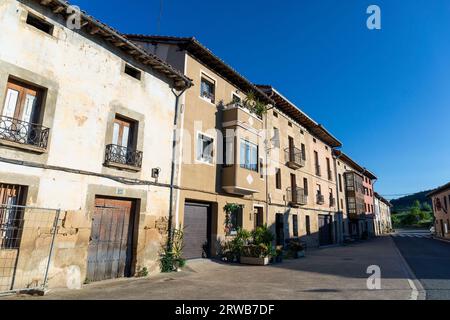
(385, 94)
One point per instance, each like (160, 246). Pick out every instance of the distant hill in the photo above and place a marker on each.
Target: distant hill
(405, 203)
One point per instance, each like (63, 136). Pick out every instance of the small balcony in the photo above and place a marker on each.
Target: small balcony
(123, 158)
(330, 175)
(320, 199)
(296, 196)
(318, 172)
(294, 158)
(15, 132)
(332, 202)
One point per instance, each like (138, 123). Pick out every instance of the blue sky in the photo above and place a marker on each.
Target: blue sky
(385, 94)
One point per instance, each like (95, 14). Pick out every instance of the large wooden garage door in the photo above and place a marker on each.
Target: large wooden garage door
(110, 245)
(196, 230)
(325, 230)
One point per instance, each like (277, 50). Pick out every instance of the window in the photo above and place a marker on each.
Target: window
(278, 178)
(40, 24)
(330, 173)
(22, 114)
(303, 151)
(314, 140)
(342, 205)
(445, 203)
(133, 72)
(305, 186)
(236, 98)
(207, 89)
(205, 147)
(11, 216)
(275, 114)
(261, 168)
(295, 225)
(340, 183)
(316, 159)
(228, 152)
(235, 221)
(122, 149)
(289, 124)
(276, 138)
(249, 155)
(124, 132)
(302, 132)
(319, 189)
(308, 225)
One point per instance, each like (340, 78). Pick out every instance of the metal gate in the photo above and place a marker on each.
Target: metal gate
(27, 237)
(110, 244)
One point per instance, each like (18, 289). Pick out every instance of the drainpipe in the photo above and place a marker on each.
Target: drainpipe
(172, 169)
(335, 159)
(266, 151)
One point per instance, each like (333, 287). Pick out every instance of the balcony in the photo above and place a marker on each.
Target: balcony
(123, 158)
(318, 172)
(320, 199)
(18, 133)
(332, 202)
(294, 158)
(330, 175)
(296, 196)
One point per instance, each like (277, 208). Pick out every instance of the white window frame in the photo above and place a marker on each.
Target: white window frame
(202, 160)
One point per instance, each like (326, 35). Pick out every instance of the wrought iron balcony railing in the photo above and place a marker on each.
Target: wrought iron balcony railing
(318, 172)
(22, 132)
(332, 202)
(320, 199)
(297, 196)
(123, 156)
(330, 175)
(294, 158)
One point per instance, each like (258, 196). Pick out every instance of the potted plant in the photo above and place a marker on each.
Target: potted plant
(295, 248)
(256, 254)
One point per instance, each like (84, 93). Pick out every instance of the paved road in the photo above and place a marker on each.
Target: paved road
(429, 259)
(329, 273)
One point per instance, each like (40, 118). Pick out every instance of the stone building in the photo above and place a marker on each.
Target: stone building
(83, 112)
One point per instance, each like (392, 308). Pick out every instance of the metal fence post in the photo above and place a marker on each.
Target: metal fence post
(55, 231)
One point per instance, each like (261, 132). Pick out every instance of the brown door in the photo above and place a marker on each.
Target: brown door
(259, 219)
(110, 244)
(196, 230)
(294, 188)
(21, 101)
(291, 149)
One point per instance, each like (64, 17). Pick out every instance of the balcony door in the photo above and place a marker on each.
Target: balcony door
(122, 133)
(291, 149)
(21, 102)
(294, 188)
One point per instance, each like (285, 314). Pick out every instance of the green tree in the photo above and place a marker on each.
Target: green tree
(426, 207)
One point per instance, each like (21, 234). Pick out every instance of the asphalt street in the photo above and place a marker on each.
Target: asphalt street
(429, 259)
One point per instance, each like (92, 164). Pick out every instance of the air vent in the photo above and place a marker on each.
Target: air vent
(133, 72)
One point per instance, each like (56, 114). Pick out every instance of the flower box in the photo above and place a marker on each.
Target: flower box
(301, 254)
(255, 261)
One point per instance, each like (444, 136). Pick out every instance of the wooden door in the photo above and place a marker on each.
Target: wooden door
(279, 229)
(110, 245)
(259, 218)
(291, 149)
(294, 188)
(122, 133)
(21, 102)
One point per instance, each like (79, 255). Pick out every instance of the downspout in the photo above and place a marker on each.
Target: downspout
(172, 169)
(335, 159)
(266, 144)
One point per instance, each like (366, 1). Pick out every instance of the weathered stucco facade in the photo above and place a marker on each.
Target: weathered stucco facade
(85, 89)
(383, 221)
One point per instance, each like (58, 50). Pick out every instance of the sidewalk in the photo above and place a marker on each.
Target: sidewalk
(330, 273)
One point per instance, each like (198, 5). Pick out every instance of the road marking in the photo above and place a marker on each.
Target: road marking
(416, 294)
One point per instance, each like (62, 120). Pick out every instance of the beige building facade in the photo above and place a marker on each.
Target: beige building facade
(82, 113)
(383, 221)
(441, 210)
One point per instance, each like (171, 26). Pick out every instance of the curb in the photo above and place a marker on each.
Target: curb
(440, 239)
(418, 292)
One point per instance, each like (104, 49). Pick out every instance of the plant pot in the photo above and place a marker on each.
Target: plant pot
(300, 254)
(255, 261)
